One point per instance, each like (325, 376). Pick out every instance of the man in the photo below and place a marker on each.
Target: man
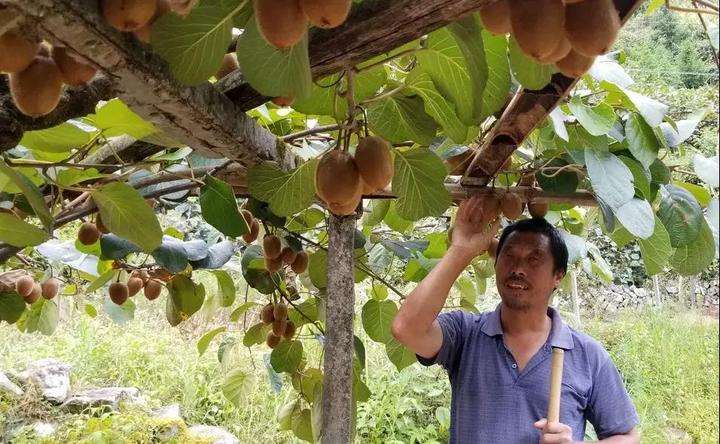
(499, 362)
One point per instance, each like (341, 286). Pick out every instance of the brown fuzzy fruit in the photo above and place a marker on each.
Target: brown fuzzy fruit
(272, 246)
(300, 263)
(511, 206)
(279, 325)
(272, 339)
(50, 288)
(374, 162)
(88, 233)
(281, 22)
(229, 64)
(538, 210)
(16, 52)
(118, 292)
(152, 289)
(592, 26)
(134, 284)
(289, 330)
(496, 17)
(337, 178)
(492, 249)
(345, 209)
(574, 64)
(128, 15)
(24, 286)
(74, 73)
(37, 89)
(248, 216)
(182, 7)
(288, 255)
(254, 231)
(140, 274)
(266, 315)
(283, 101)
(143, 34)
(100, 225)
(273, 265)
(34, 295)
(537, 25)
(560, 52)
(280, 311)
(490, 209)
(326, 13)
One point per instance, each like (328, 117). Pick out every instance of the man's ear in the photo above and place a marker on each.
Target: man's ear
(559, 276)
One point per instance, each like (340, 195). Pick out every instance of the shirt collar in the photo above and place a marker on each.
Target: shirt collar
(560, 334)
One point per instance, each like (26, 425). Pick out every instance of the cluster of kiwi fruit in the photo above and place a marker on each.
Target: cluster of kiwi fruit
(276, 256)
(282, 326)
(341, 179)
(37, 72)
(283, 23)
(119, 292)
(31, 291)
(568, 33)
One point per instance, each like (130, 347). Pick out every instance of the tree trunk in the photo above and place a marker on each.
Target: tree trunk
(337, 402)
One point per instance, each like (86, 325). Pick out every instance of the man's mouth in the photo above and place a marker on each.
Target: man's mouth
(517, 285)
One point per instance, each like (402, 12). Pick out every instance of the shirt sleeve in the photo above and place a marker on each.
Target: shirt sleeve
(454, 326)
(610, 409)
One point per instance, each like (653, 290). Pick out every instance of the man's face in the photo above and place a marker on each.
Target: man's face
(525, 271)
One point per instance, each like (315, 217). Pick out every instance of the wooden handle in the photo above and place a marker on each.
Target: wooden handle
(556, 372)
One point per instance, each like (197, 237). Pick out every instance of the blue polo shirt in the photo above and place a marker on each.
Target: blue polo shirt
(494, 402)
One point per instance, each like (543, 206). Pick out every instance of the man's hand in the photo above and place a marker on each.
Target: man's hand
(473, 229)
(554, 432)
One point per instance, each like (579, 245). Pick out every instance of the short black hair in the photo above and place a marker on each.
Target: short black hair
(540, 226)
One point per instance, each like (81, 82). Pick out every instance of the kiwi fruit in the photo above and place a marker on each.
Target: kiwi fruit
(248, 216)
(266, 314)
(252, 235)
(574, 64)
(279, 325)
(100, 225)
(281, 22)
(592, 26)
(272, 340)
(273, 265)
(366, 189)
(34, 295)
(118, 292)
(140, 274)
(538, 210)
(74, 73)
(560, 52)
(300, 263)
(288, 255)
(182, 7)
(134, 284)
(24, 286)
(37, 89)
(289, 330)
(495, 17)
(152, 289)
(229, 64)
(88, 233)
(337, 178)
(490, 208)
(326, 13)
(50, 288)
(511, 206)
(374, 162)
(346, 209)
(283, 101)
(143, 34)
(492, 248)
(16, 52)
(280, 311)
(272, 246)
(128, 15)
(537, 25)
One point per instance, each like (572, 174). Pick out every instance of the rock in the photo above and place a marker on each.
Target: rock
(678, 436)
(108, 397)
(51, 377)
(43, 429)
(216, 435)
(171, 418)
(169, 412)
(9, 387)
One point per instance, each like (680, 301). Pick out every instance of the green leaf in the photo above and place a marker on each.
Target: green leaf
(701, 194)
(681, 214)
(241, 310)
(73, 176)
(376, 319)
(42, 316)
(12, 306)
(114, 118)
(597, 120)
(378, 292)
(399, 355)
(19, 233)
(564, 182)
(256, 334)
(186, 296)
(226, 286)
(379, 209)
(660, 173)
(101, 280)
(287, 193)
(302, 425)
(237, 385)
(531, 74)
(656, 250)
(641, 139)
(305, 382)
(637, 217)
(219, 208)
(650, 109)
(707, 169)
(286, 356)
(194, 46)
(274, 72)
(90, 310)
(419, 184)
(611, 179)
(436, 106)
(171, 255)
(58, 139)
(317, 269)
(395, 221)
(125, 213)
(641, 176)
(468, 34)
(499, 80)
(696, 256)
(286, 413)
(254, 272)
(205, 340)
(399, 119)
(30, 192)
(437, 247)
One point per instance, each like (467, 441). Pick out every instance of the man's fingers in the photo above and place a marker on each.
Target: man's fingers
(552, 438)
(540, 424)
(556, 427)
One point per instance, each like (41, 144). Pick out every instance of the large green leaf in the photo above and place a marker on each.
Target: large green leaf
(186, 296)
(376, 319)
(254, 272)
(12, 307)
(681, 214)
(256, 334)
(58, 139)
(271, 71)
(399, 355)
(597, 120)
(206, 339)
(702, 195)
(641, 140)
(194, 46)
(19, 233)
(641, 176)
(650, 109)
(237, 385)
(468, 35)
(114, 118)
(287, 193)
(637, 217)
(419, 184)
(226, 287)
(219, 208)
(611, 179)
(73, 176)
(42, 316)
(529, 73)
(656, 250)
(30, 192)
(399, 119)
(393, 220)
(499, 81)
(125, 213)
(707, 169)
(286, 356)
(564, 182)
(437, 106)
(696, 256)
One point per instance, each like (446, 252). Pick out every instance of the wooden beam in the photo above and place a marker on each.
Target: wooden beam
(374, 27)
(201, 117)
(526, 111)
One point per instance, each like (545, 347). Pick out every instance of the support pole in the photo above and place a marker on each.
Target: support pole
(575, 298)
(656, 291)
(337, 402)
